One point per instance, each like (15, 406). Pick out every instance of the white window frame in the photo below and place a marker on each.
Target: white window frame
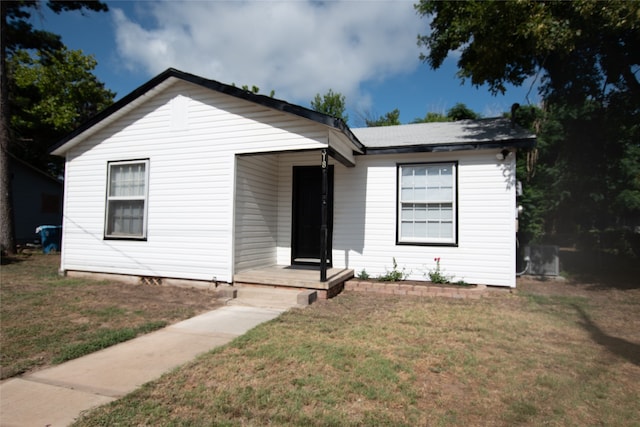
(108, 234)
(426, 202)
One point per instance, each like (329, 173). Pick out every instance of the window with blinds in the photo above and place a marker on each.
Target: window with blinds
(127, 184)
(427, 203)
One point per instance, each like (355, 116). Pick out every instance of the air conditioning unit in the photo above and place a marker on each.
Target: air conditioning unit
(544, 260)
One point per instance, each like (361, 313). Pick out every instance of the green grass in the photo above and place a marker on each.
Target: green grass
(103, 338)
(510, 359)
(549, 354)
(48, 319)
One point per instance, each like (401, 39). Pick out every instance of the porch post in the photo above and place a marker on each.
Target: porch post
(323, 226)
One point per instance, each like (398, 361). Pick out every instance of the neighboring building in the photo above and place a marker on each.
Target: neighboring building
(190, 178)
(37, 200)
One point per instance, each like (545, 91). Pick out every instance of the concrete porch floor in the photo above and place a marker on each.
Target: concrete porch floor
(300, 277)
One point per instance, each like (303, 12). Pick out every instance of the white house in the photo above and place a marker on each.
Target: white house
(188, 178)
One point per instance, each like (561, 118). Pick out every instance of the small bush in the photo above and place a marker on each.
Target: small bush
(394, 275)
(363, 275)
(462, 283)
(437, 276)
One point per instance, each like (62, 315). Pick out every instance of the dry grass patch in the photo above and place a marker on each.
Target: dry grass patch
(47, 319)
(533, 357)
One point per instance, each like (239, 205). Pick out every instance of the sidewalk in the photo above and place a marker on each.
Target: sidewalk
(56, 396)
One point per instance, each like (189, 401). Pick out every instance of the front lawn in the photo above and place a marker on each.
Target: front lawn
(550, 353)
(47, 319)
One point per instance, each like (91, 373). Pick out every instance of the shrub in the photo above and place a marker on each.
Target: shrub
(437, 275)
(363, 275)
(394, 275)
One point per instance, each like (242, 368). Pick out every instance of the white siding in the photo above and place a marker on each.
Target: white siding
(191, 146)
(365, 219)
(192, 137)
(364, 231)
(256, 223)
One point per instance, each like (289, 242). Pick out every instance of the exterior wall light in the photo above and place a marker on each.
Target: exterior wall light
(503, 154)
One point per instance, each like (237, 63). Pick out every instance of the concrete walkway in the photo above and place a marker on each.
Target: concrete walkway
(56, 396)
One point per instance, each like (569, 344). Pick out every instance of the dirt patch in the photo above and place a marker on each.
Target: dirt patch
(588, 287)
(603, 309)
(551, 286)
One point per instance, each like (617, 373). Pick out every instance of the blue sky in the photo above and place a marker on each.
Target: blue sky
(365, 50)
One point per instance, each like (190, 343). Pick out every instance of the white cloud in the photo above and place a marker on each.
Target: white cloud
(297, 48)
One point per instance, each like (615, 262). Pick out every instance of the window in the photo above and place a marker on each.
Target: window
(127, 199)
(427, 203)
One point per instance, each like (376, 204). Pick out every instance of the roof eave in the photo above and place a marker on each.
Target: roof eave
(522, 143)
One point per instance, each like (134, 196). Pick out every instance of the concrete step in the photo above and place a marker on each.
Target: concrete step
(269, 297)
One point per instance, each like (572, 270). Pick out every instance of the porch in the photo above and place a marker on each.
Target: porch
(284, 210)
(296, 277)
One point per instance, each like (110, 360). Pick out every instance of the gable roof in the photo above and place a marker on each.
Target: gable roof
(418, 137)
(169, 76)
(445, 136)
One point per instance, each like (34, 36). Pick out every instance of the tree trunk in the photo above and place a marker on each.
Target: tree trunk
(7, 237)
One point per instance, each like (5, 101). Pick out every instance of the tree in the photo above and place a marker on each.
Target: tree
(458, 112)
(392, 118)
(331, 103)
(586, 56)
(49, 96)
(16, 32)
(539, 176)
(431, 117)
(255, 89)
(461, 112)
(584, 48)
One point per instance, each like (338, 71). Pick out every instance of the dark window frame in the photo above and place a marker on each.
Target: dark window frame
(455, 206)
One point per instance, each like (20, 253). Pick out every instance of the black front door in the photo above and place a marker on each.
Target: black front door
(307, 214)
